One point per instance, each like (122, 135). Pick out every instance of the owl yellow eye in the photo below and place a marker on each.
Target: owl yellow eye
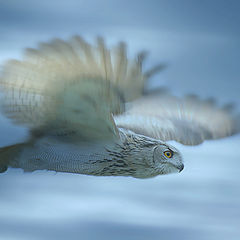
(168, 154)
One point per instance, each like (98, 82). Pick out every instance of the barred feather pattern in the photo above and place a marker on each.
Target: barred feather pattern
(125, 158)
(32, 86)
(188, 120)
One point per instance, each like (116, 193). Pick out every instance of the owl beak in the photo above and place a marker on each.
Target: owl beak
(180, 167)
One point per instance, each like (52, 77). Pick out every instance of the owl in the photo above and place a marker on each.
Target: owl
(87, 111)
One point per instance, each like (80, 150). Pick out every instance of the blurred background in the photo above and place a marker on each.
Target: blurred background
(199, 42)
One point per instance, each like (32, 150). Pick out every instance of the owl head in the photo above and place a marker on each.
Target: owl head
(154, 157)
(167, 159)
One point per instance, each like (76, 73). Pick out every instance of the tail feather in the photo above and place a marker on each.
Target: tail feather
(8, 154)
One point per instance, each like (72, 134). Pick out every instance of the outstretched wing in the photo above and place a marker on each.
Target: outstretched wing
(65, 87)
(187, 120)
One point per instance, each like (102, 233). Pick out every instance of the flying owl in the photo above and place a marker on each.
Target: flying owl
(87, 112)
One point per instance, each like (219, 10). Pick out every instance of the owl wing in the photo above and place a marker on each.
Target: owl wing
(188, 120)
(70, 88)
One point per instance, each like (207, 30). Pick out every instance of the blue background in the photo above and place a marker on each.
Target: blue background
(199, 42)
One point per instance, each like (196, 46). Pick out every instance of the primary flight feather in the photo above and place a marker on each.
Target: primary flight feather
(86, 113)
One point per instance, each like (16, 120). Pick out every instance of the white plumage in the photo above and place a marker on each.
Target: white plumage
(73, 96)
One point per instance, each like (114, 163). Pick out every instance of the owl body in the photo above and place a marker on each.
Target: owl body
(123, 157)
(51, 153)
(88, 112)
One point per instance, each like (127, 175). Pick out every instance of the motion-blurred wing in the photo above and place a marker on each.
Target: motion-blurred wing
(64, 88)
(187, 120)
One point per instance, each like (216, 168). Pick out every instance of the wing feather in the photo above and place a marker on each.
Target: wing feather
(64, 85)
(105, 59)
(188, 120)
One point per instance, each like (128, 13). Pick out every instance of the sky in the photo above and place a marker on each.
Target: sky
(199, 43)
